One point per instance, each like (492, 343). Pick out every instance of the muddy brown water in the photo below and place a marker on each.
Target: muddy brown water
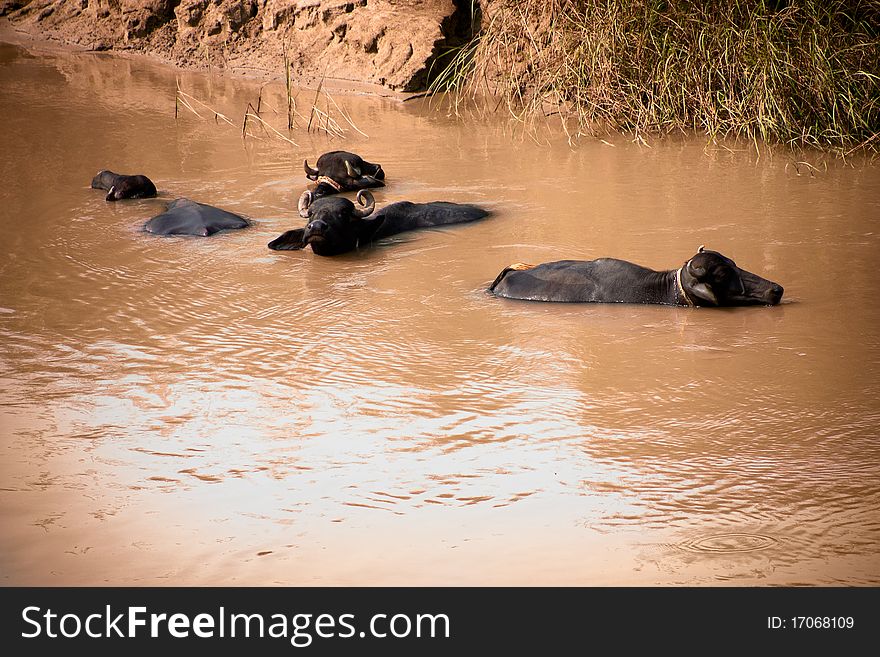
(206, 411)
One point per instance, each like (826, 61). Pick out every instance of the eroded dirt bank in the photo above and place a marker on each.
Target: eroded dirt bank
(392, 43)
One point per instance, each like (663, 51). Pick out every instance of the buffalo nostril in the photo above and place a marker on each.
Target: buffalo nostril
(776, 293)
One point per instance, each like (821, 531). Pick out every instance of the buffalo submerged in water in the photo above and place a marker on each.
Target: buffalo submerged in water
(706, 279)
(336, 225)
(186, 217)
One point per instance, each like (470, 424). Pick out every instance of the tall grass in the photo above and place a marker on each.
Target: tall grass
(799, 72)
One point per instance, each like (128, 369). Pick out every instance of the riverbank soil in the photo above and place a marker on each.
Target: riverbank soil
(392, 43)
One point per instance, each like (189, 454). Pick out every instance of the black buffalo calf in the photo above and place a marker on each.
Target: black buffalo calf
(706, 279)
(336, 225)
(121, 186)
(341, 171)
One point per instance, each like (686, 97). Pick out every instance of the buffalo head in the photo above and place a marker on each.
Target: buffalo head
(712, 279)
(341, 171)
(335, 225)
(121, 186)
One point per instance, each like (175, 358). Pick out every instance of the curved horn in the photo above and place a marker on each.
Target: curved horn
(311, 174)
(353, 171)
(365, 198)
(305, 200)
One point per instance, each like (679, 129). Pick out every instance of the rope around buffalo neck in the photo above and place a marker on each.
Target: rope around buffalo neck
(329, 181)
(681, 289)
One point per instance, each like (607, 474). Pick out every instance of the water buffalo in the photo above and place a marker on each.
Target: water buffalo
(186, 217)
(123, 186)
(706, 279)
(341, 171)
(336, 225)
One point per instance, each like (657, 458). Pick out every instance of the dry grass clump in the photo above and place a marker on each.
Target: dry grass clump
(255, 126)
(798, 72)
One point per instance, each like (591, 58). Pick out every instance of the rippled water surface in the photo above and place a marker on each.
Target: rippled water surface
(206, 411)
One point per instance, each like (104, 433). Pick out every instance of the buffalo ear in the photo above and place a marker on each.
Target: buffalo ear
(698, 286)
(292, 240)
(697, 271)
(704, 292)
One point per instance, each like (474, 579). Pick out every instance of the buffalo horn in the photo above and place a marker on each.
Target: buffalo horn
(365, 198)
(353, 171)
(311, 174)
(305, 200)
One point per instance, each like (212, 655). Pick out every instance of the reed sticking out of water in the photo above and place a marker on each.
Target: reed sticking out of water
(251, 113)
(287, 86)
(247, 112)
(798, 72)
(314, 111)
(185, 99)
(322, 120)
